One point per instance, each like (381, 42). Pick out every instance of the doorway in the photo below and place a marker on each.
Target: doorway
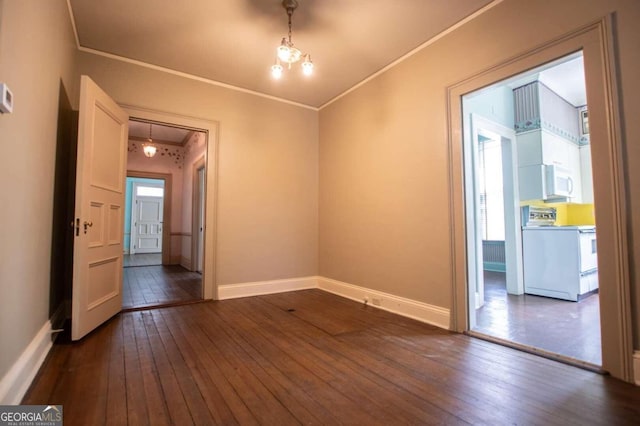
(144, 217)
(162, 268)
(526, 283)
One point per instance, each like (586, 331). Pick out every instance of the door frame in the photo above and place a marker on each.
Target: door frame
(166, 207)
(478, 125)
(195, 212)
(596, 42)
(211, 129)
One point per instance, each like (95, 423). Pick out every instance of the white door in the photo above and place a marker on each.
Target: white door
(99, 209)
(146, 223)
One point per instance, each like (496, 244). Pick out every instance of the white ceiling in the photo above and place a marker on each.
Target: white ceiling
(567, 80)
(564, 76)
(139, 130)
(234, 41)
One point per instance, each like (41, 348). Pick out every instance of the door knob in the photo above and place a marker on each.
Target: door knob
(88, 224)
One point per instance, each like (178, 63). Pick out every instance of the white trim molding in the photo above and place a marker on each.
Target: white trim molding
(233, 291)
(636, 367)
(419, 311)
(16, 382)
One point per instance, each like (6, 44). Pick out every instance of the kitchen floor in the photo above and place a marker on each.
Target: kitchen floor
(571, 329)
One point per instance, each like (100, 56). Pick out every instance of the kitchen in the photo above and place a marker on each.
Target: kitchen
(536, 275)
(554, 169)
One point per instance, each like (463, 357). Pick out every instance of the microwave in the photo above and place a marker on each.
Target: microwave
(558, 182)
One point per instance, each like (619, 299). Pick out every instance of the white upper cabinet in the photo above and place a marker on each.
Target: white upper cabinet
(539, 148)
(547, 134)
(542, 147)
(587, 174)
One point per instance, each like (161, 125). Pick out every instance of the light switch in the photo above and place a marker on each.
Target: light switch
(6, 100)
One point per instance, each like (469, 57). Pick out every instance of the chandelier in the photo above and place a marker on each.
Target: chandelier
(287, 53)
(149, 147)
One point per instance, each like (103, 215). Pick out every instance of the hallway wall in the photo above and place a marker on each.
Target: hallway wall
(37, 61)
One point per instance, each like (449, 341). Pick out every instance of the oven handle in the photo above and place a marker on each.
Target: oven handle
(589, 272)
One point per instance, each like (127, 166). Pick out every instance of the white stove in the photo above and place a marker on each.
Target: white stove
(560, 261)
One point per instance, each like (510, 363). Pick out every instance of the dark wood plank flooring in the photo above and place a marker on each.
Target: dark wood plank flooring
(571, 329)
(146, 286)
(309, 357)
(142, 259)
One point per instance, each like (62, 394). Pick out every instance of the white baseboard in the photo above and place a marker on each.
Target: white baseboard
(423, 312)
(185, 263)
(16, 382)
(636, 367)
(232, 291)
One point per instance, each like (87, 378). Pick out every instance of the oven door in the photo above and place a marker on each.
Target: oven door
(588, 250)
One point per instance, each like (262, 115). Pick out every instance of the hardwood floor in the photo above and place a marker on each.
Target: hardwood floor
(146, 286)
(310, 357)
(571, 329)
(142, 259)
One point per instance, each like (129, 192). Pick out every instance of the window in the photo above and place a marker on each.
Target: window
(149, 191)
(491, 189)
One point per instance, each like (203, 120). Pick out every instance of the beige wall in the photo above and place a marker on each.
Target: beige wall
(384, 205)
(267, 167)
(37, 53)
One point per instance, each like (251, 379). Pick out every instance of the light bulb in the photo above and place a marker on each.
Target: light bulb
(149, 149)
(284, 53)
(276, 71)
(307, 65)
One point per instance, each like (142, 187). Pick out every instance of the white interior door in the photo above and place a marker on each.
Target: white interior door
(146, 225)
(99, 211)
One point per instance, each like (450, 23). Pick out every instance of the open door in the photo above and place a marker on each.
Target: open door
(99, 209)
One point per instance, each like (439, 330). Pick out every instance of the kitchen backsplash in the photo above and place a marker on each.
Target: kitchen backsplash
(570, 213)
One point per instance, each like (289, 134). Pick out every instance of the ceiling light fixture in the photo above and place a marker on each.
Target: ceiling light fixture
(149, 147)
(287, 53)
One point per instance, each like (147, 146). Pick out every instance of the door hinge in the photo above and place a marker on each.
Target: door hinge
(76, 226)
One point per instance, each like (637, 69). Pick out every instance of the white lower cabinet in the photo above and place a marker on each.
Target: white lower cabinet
(560, 261)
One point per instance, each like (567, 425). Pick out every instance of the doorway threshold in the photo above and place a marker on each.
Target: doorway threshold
(162, 305)
(540, 352)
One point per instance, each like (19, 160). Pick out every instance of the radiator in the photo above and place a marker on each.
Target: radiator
(493, 255)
